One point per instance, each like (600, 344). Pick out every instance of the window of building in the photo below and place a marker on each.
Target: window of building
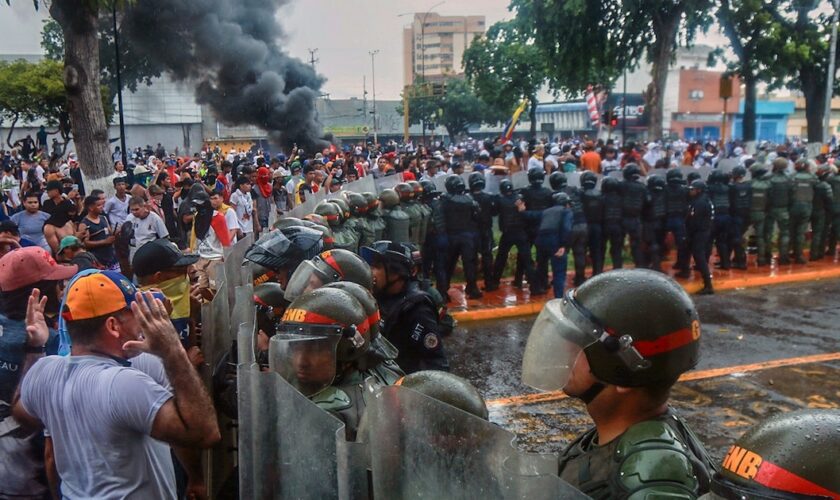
(695, 95)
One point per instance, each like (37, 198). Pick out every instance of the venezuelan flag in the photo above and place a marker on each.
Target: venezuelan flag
(511, 124)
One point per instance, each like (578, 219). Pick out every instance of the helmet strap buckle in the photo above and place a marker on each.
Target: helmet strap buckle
(355, 337)
(623, 347)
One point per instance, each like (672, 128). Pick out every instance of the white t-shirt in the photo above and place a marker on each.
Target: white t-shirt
(99, 415)
(232, 222)
(210, 247)
(116, 210)
(145, 230)
(243, 204)
(11, 188)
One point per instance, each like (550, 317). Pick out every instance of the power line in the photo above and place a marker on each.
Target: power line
(312, 59)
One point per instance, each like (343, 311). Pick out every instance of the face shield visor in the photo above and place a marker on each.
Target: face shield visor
(310, 275)
(561, 332)
(305, 355)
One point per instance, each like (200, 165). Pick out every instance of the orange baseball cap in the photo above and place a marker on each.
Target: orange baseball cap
(97, 294)
(29, 265)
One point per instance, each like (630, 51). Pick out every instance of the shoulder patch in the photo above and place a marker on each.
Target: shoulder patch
(431, 341)
(332, 399)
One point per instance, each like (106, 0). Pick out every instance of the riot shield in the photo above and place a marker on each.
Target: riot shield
(388, 181)
(234, 256)
(440, 183)
(215, 328)
(573, 179)
(423, 448)
(287, 445)
(519, 180)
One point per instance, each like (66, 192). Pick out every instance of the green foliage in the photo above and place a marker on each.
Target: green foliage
(505, 66)
(456, 110)
(31, 92)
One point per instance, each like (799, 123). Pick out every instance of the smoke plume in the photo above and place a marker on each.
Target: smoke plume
(229, 48)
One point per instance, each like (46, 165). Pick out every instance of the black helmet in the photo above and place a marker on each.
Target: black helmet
(674, 176)
(631, 172)
(561, 199)
(455, 184)
(477, 181)
(405, 191)
(285, 248)
(331, 212)
(557, 180)
(636, 327)
(288, 222)
(447, 388)
(656, 183)
(588, 179)
(506, 187)
(430, 191)
(536, 176)
(698, 185)
(314, 330)
(328, 267)
(610, 185)
(389, 198)
(397, 257)
(790, 455)
(739, 172)
(691, 177)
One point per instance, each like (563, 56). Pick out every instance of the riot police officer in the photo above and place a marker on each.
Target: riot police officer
(551, 242)
(328, 267)
(676, 210)
(593, 210)
(374, 215)
(346, 234)
(720, 195)
(740, 215)
(600, 344)
(456, 227)
(780, 197)
(397, 222)
(699, 227)
(579, 234)
(790, 455)
(320, 340)
(415, 214)
(653, 222)
(424, 210)
(821, 212)
(633, 194)
(512, 225)
(802, 206)
(358, 210)
(409, 318)
(429, 199)
(613, 233)
(834, 233)
(759, 199)
(488, 207)
(280, 252)
(536, 197)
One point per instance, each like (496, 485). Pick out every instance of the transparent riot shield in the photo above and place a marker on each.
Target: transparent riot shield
(440, 183)
(388, 181)
(661, 172)
(534, 476)
(234, 256)
(519, 180)
(287, 445)
(573, 179)
(423, 448)
(215, 327)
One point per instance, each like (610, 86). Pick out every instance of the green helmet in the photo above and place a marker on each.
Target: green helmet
(358, 204)
(417, 188)
(790, 455)
(328, 267)
(316, 331)
(389, 198)
(288, 222)
(780, 164)
(367, 301)
(405, 192)
(636, 327)
(319, 223)
(331, 212)
(758, 170)
(447, 388)
(343, 205)
(371, 199)
(270, 295)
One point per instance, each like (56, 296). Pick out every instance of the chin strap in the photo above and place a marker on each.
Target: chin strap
(590, 394)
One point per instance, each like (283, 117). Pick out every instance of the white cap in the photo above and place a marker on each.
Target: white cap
(555, 150)
(738, 151)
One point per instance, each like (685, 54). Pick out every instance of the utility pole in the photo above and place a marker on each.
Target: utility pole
(829, 84)
(119, 85)
(312, 59)
(624, 111)
(373, 84)
(364, 103)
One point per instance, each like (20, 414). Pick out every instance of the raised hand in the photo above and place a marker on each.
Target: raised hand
(159, 336)
(37, 331)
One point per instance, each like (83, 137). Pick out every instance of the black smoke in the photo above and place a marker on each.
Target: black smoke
(229, 49)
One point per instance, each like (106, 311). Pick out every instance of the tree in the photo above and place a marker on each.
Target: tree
(754, 37)
(136, 67)
(805, 28)
(506, 66)
(30, 92)
(591, 41)
(457, 109)
(79, 21)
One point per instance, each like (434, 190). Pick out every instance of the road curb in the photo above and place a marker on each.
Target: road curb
(692, 286)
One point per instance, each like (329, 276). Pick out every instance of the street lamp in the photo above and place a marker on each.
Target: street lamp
(829, 84)
(373, 82)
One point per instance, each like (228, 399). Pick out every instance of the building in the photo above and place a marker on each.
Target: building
(798, 124)
(700, 109)
(771, 121)
(434, 45)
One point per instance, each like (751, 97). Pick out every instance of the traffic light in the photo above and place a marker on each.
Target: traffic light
(613, 120)
(438, 89)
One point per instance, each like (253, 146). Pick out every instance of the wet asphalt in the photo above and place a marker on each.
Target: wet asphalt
(739, 327)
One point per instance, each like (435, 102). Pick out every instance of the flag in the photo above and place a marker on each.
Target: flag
(592, 106)
(511, 124)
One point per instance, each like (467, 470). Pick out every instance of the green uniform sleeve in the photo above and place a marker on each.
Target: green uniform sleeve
(655, 463)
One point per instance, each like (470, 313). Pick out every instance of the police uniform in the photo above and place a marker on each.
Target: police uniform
(676, 210)
(593, 209)
(579, 233)
(632, 202)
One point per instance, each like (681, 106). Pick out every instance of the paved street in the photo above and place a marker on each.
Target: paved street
(765, 350)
